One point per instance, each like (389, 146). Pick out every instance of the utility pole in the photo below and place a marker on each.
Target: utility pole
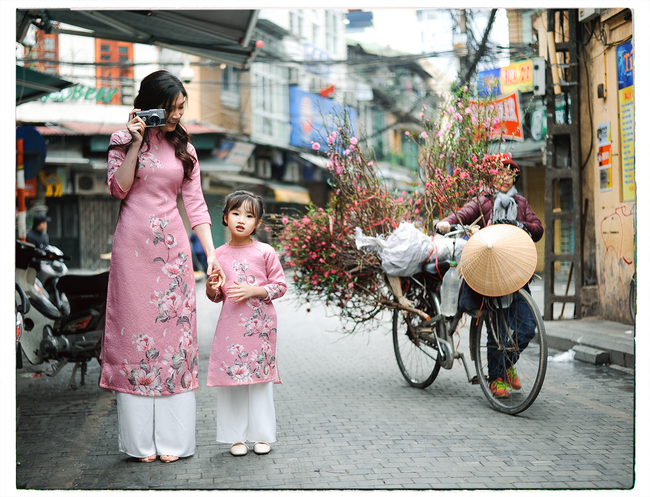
(463, 36)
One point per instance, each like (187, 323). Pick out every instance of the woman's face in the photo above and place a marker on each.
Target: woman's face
(507, 180)
(175, 113)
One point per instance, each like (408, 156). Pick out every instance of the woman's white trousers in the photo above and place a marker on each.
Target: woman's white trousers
(157, 425)
(246, 413)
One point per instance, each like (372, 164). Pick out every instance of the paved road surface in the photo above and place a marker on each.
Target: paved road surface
(346, 420)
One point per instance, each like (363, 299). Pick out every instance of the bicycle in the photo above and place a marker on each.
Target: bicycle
(424, 346)
(632, 298)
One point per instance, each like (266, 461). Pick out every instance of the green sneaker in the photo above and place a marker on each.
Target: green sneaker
(512, 378)
(499, 389)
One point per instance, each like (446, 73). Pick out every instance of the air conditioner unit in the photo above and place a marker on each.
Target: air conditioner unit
(90, 184)
(586, 15)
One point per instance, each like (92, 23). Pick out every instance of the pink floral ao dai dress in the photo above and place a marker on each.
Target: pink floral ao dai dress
(150, 342)
(244, 346)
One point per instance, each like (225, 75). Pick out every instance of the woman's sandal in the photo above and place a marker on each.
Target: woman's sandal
(147, 459)
(169, 458)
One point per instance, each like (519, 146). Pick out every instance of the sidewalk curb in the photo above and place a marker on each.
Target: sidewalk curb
(615, 339)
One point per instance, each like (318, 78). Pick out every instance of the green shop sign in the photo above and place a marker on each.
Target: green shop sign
(81, 92)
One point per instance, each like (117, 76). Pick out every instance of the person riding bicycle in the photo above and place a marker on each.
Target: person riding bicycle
(511, 208)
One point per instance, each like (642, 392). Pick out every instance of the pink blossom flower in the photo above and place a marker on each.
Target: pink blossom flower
(346, 152)
(353, 141)
(285, 220)
(172, 302)
(370, 163)
(421, 114)
(468, 110)
(146, 383)
(306, 220)
(439, 134)
(172, 270)
(170, 241)
(143, 342)
(424, 134)
(315, 145)
(407, 133)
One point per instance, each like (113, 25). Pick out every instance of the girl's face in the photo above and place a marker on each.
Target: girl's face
(241, 222)
(175, 113)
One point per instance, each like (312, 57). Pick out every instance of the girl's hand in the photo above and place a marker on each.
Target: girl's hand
(213, 286)
(214, 270)
(136, 126)
(242, 291)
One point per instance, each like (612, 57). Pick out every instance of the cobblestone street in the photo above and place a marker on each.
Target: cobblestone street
(346, 420)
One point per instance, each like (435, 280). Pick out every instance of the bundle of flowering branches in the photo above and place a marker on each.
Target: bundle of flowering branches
(454, 160)
(320, 246)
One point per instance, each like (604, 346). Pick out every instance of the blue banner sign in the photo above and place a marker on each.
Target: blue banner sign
(489, 82)
(311, 114)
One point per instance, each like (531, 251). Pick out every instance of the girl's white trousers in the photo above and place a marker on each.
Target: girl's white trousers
(156, 425)
(246, 413)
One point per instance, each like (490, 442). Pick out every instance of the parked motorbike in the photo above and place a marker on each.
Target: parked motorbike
(22, 308)
(65, 324)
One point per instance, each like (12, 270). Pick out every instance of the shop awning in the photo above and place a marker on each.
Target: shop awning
(91, 129)
(32, 85)
(290, 193)
(282, 192)
(219, 35)
(315, 160)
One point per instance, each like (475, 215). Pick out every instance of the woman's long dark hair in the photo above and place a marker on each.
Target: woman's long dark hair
(159, 90)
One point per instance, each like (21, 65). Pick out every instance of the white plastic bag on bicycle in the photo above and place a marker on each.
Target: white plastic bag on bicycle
(402, 252)
(446, 249)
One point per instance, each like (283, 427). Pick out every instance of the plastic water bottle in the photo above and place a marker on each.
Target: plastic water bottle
(449, 291)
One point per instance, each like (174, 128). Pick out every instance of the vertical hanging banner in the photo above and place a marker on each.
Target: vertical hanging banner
(625, 68)
(509, 114)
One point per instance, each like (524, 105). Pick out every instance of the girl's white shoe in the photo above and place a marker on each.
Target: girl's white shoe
(262, 448)
(238, 449)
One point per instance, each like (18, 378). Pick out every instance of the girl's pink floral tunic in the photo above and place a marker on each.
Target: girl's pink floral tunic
(150, 342)
(243, 349)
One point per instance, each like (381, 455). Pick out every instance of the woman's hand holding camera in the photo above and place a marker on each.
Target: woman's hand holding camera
(136, 126)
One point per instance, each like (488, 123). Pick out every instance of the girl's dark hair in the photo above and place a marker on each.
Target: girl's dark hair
(159, 90)
(236, 199)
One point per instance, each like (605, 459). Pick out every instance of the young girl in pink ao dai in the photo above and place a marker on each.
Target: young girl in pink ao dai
(243, 362)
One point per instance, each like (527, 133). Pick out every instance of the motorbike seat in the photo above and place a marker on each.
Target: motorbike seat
(437, 271)
(75, 284)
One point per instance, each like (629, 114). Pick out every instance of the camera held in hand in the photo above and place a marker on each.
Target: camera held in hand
(152, 117)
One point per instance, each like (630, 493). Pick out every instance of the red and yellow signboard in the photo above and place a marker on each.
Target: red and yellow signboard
(507, 124)
(517, 76)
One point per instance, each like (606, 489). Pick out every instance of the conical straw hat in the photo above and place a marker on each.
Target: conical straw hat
(498, 260)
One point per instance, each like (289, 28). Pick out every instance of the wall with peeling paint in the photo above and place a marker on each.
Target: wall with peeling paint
(610, 242)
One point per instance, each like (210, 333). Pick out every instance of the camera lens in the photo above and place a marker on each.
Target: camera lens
(154, 120)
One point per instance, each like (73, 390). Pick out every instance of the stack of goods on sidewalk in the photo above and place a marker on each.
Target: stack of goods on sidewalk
(344, 254)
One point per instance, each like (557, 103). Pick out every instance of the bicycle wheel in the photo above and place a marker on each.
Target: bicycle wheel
(509, 336)
(632, 298)
(413, 341)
